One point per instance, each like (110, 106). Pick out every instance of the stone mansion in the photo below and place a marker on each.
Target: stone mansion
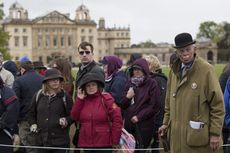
(56, 34)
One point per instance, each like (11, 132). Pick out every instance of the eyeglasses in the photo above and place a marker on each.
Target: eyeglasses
(87, 52)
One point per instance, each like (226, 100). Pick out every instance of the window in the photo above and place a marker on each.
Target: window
(47, 40)
(62, 41)
(90, 30)
(127, 34)
(16, 58)
(122, 45)
(25, 39)
(39, 41)
(118, 34)
(16, 30)
(82, 38)
(122, 34)
(91, 39)
(40, 58)
(163, 57)
(16, 41)
(69, 40)
(24, 30)
(82, 30)
(55, 39)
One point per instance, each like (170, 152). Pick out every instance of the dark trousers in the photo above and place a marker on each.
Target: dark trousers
(5, 139)
(155, 142)
(226, 133)
(142, 135)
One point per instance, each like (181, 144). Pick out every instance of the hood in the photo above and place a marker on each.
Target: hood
(11, 66)
(141, 62)
(89, 77)
(114, 64)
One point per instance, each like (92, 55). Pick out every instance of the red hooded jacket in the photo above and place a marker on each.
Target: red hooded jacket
(96, 131)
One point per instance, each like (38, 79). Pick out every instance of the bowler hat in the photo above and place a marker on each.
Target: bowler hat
(52, 74)
(183, 40)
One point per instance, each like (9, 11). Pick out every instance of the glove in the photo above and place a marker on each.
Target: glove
(33, 128)
(16, 142)
(63, 122)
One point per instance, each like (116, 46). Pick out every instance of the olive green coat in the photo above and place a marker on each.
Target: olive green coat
(197, 97)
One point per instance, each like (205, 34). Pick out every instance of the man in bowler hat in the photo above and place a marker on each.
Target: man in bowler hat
(194, 108)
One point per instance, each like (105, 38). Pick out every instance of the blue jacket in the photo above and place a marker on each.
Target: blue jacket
(25, 87)
(116, 85)
(227, 104)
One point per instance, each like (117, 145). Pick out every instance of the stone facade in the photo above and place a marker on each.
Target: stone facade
(55, 34)
(206, 49)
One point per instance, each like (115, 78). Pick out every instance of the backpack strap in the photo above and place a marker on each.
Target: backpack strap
(38, 95)
(40, 91)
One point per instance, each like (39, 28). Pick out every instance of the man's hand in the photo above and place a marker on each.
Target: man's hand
(134, 119)
(162, 131)
(214, 142)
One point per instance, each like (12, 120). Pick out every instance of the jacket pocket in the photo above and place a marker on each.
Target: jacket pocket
(197, 137)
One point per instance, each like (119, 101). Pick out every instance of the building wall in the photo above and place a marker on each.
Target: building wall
(164, 53)
(21, 32)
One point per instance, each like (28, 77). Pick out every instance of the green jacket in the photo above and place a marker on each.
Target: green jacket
(197, 97)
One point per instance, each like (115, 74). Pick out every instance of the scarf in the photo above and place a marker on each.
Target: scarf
(137, 80)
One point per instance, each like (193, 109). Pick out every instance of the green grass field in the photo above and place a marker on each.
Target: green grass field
(218, 69)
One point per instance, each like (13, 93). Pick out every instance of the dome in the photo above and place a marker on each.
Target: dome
(16, 5)
(82, 7)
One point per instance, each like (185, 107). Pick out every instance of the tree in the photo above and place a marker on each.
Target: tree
(4, 37)
(146, 44)
(211, 30)
(224, 42)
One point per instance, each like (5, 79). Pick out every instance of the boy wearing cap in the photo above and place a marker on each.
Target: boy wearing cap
(194, 108)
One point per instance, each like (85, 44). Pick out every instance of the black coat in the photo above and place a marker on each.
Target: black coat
(46, 112)
(93, 67)
(25, 87)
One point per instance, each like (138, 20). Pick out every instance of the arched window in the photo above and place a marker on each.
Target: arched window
(210, 56)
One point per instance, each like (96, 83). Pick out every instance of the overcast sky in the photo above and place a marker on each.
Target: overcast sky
(156, 20)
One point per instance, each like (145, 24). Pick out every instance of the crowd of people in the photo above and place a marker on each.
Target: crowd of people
(38, 104)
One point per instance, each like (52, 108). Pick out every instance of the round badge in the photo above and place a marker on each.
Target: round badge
(194, 85)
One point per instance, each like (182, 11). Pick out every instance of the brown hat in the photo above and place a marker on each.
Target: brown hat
(183, 40)
(52, 74)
